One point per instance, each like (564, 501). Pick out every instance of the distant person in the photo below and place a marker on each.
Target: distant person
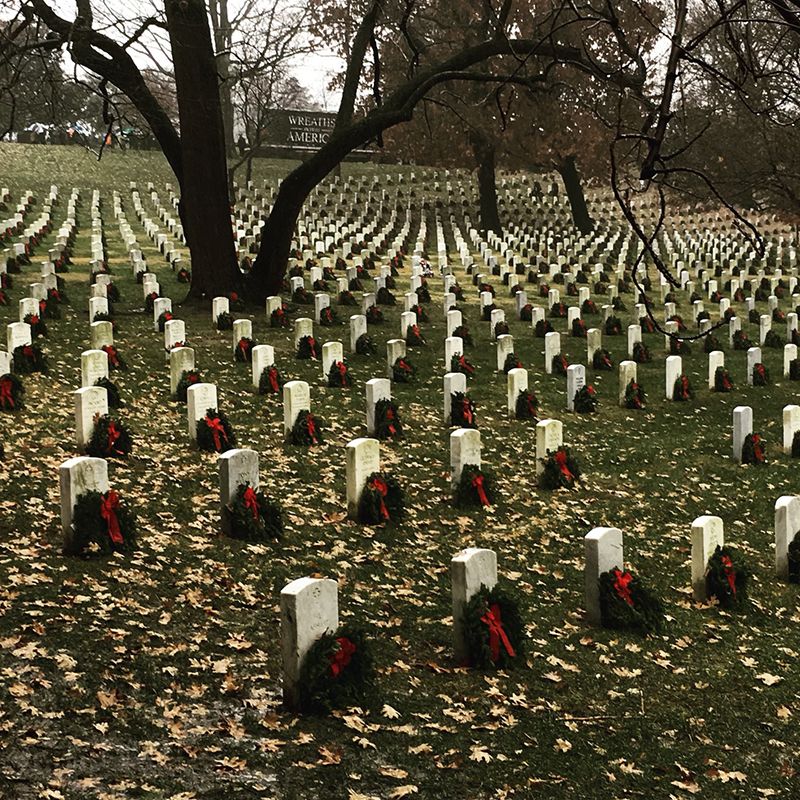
(241, 144)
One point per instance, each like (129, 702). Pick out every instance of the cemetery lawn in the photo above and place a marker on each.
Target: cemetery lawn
(157, 675)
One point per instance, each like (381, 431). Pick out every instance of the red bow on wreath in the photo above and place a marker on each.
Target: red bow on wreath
(726, 383)
(466, 411)
(760, 370)
(477, 484)
(251, 501)
(113, 436)
(497, 634)
(342, 367)
(34, 319)
(217, 429)
(27, 351)
(401, 364)
(42, 306)
(465, 365)
(381, 487)
(561, 461)
(109, 504)
(272, 377)
(684, 391)
(244, 346)
(758, 448)
(311, 427)
(622, 585)
(111, 351)
(342, 657)
(312, 346)
(730, 573)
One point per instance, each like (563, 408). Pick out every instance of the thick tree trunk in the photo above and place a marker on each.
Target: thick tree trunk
(484, 151)
(577, 202)
(205, 208)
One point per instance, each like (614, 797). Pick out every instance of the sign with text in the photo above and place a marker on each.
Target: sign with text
(298, 130)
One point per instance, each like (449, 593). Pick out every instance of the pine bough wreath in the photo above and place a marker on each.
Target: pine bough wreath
(626, 604)
(601, 360)
(561, 469)
(726, 579)
(387, 420)
(760, 375)
(339, 375)
(462, 332)
(112, 392)
(512, 362)
(188, 378)
(682, 390)
(679, 347)
(634, 395)
(740, 341)
(225, 321)
(559, 364)
(793, 557)
(754, 449)
(271, 381)
(243, 351)
(474, 488)
(462, 411)
(115, 360)
(613, 326)
(214, 433)
(459, 363)
(337, 671)
(374, 316)
(328, 317)
(29, 358)
(365, 346)
(307, 347)
(403, 371)
(163, 318)
(253, 517)
(110, 439)
(527, 406)
(11, 392)
(722, 380)
(494, 633)
(38, 327)
(101, 521)
(586, 401)
(414, 337)
(711, 343)
(381, 500)
(277, 319)
(306, 431)
(794, 370)
(541, 328)
(641, 353)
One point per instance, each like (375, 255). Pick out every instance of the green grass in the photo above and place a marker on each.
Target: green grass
(158, 675)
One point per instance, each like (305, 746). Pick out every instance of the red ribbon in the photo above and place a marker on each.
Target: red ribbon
(622, 585)
(27, 351)
(34, 319)
(6, 396)
(113, 436)
(730, 573)
(342, 367)
(684, 387)
(342, 657)
(244, 346)
(758, 449)
(111, 351)
(311, 427)
(464, 364)
(466, 411)
(109, 504)
(251, 502)
(312, 346)
(477, 484)
(216, 427)
(497, 634)
(272, 376)
(381, 487)
(561, 460)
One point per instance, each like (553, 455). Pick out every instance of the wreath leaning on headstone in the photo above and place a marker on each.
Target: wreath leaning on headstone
(474, 488)
(112, 392)
(382, 500)
(682, 389)
(387, 420)
(585, 401)
(307, 430)
(254, 517)
(337, 671)
(307, 347)
(110, 439)
(374, 316)
(754, 449)
(559, 364)
(760, 375)
(224, 321)
(722, 380)
(462, 410)
(459, 363)
(365, 345)
(243, 351)
(277, 319)
(793, 557)
(339, 375)
(512, 362)
(561, 469)
(494, 634)
(12, 392)
(115, 360)
(403, 371)
(101, 522)
(601, 360)
(29, 358)
(626, 604)
(188, 378)
(271, 380)
(635, 397)
(214, 433)
(38, 327)
(527, 406)
(726, 579)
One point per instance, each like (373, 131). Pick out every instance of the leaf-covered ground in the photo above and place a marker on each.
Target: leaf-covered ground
(157, 675)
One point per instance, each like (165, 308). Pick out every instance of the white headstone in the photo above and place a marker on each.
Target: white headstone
(753, 358)
(395, 348)
(200, 397)
(331, 353)
(102, 334)
(358, 327)
(791, 424)
(465, 448)
(453, 382)
(742, 427)
(673, 371)
(18, 334)
(90, 402)
(296, 398)
(219, 305)
(576, 380)
(787, 524)
(634, 336)
(263, 357)
(469, 571)
(76, 477)
(517, 382)
(789, 355)
(627, 373)
(603, 552)
(303, 326)
(505, 346)
(552, 347)
(362, 458)
(376, 389)
(707, 535)
(94, 365)
(594, 342)
(549, 437)
(716, 358)
(181, 359)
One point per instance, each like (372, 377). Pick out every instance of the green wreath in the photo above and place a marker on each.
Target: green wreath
(740, 341)
(753, 449)
(793, 557)
(93, 532)
(726, 579)
(328, 317)
(501, 329)
(626, 604)
(277, 319)
(613, 326)
(307, 430)
(641, 353)
(462, 332)
(224, 321)
(365, 346)
(486, 312)
(794, 370)
(760, 375)
(541, 328)
(337, 671)
(679, 347)
(271, 380)
(722, 380)
(494, 633)
(374, 316)
(12, 392)
(339, 375)
(243, 352)
(585, 401)
(387, 420)
(403, 371)
(634, 396)
(214, 433)
(29, 358)
(148, 302)
(115, 360)
(682, 389)
(459, 363)
(527, 406)
(188, 378)
(423, 294)
(38, 327)
(462, 410)
(422, 314)
(773, 340)
(110, 439)
(112, 392)
(561, 469)
(346, 298)
(385, 298)
(382, 500)
(711, 343)
(512, 362)
(307, 348)
(589, 307)
(302, 296)
(163, 318)
(559, 364)
(475, 488)
(579, 329)
(601, 360)
(414, 337)
(253, 517)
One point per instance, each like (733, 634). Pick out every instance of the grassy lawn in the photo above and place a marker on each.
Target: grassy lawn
(157, 675)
